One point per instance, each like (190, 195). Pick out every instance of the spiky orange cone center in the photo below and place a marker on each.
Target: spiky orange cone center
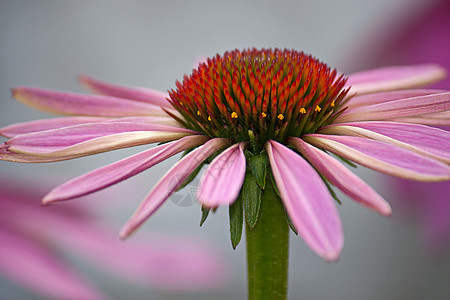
(258, 95)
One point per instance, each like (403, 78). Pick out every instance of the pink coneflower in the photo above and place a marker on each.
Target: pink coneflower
(34, 242)
(239, 113)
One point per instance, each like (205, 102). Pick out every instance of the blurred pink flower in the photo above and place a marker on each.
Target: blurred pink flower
(33, 240)
(429, 204)
(422, 39)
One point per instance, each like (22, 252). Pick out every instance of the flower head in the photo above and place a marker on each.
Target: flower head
(259, 95)
(241, 112)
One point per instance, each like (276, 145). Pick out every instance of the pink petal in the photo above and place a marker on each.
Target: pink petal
(427, 141)
(307, 201)
(84, 105)
(106, 176)
(170, 182)
(46, 124)
(436, 119)
(382, 157)
(133, 93)
(7, 155)
(40, 270)
(168, 121)
(55, 123)
(342, 177)
(376, 98)
(394, 78)
(93, 138)
(222, 180)
(415, 106)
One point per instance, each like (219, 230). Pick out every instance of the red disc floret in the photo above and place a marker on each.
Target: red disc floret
(272, 93)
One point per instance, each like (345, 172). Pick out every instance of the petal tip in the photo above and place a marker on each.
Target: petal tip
(208, 205)
(386, 211)
(441, 72)
(126, 231)
(84, 80)
(46, 203)
(49, 199)
(332, 256)
(204, 201)
(15, 92)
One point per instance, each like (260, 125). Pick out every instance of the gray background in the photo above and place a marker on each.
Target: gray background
(151, 43)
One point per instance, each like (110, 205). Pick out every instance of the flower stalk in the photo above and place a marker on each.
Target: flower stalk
(268, 250)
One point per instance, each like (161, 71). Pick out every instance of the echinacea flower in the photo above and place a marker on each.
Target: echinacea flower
(240, 113)
(34, 241)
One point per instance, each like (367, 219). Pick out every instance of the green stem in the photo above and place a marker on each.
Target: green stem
(268, 250)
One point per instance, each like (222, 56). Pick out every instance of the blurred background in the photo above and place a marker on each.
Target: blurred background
(153, 43)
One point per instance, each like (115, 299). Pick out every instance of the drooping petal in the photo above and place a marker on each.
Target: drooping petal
(382, 157)
(394, 78)
(46, 124)
(93, 137)
(83, 105)
(55, 123)
(222, 180)
(415, 106)
(126, 92)
(307, 201)
(371, 99)
(342, 177)
(39, 269)
(170, 182)
(7, 155)
(106, 176)
(427, 141)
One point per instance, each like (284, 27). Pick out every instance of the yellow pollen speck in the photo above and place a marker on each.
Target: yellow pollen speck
(263, 115)
(280, 117)
(209, 118)
(332, 104)
(302, 111)
(318, 108)
(234, 115)
(199, 113)
(181, 103)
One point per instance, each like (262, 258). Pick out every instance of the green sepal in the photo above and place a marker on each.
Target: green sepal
(251, 194)
(258, 166)
(236, 221)
(197, 170)
(291, 225)
(348, 162)
(252, 138)
(330, 189)
(178, 119)
(274, 184)
(191, 177)
(205, 213)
